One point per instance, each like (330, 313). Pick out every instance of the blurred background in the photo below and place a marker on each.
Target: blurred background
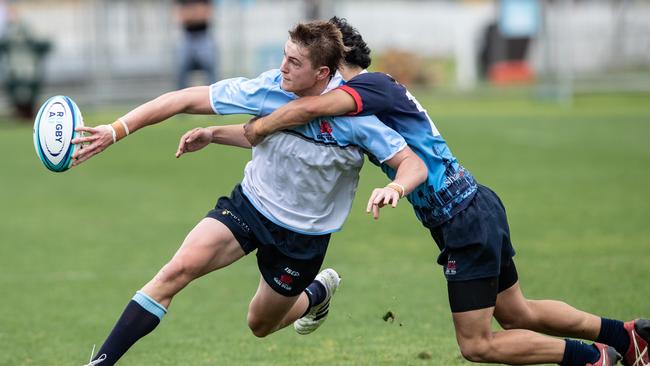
(121, 51)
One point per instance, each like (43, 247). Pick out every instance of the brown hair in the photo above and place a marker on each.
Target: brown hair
(324, 42)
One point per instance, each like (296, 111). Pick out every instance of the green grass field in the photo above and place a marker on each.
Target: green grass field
(74, 247)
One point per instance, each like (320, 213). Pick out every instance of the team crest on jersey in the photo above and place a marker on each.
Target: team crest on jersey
(450, 268)
(326, 131)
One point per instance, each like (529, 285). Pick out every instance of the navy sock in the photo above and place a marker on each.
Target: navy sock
(141, 315)
(613, 333)
(316, 294)
(577, 353)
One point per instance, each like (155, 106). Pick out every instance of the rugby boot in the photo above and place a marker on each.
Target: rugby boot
(608, 356)
(637, 352)
(318, 313)
(96, 362)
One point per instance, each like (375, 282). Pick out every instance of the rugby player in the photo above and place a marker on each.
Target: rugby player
(468, 222)
(297, 190)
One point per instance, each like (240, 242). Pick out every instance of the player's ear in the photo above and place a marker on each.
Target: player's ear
(323, 72)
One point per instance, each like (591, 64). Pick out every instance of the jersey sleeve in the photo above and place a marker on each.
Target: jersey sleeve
(258, 96)
(377, 140)
(371, 93)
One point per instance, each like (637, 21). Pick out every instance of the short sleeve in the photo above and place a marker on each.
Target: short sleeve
(257, 96)
(377, 140)
(372, 93)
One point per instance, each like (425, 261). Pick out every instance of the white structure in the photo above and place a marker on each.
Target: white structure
(111, 50)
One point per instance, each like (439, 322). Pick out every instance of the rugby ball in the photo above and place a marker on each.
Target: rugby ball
(54, 128)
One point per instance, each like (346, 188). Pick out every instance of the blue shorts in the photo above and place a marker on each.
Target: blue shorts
(475, 243)
(288, 261)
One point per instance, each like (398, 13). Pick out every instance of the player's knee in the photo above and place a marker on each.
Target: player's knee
(258, 326)
(475, 350)
(522, 317)
(515, 321)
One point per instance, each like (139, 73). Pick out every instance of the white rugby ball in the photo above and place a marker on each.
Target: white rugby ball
(54, 128)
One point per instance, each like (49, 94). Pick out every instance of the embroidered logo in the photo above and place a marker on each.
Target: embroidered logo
(236, 219)
(326, 131)
(450, 269)
(286, 279)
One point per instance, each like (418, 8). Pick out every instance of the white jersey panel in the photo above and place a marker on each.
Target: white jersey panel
(300, 185)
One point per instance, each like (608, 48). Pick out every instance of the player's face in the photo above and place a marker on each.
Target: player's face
(298, 74)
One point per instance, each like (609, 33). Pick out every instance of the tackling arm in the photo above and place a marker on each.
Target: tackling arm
(298, 112)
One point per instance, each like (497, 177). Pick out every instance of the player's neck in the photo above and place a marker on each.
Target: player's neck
(349, 71)
(317, 89)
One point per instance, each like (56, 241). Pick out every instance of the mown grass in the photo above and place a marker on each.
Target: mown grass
(75, 246)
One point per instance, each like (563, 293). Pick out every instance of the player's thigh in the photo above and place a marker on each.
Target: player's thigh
(269, 304)
(512, 308)
(209, 246)
(473, 325)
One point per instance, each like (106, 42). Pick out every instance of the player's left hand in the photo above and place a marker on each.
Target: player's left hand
(194, 140)
(381, 197)
(251, 133)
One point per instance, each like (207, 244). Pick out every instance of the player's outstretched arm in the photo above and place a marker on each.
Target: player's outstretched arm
(194, 100)
(411, 172)
(198, 138)
(298, 112)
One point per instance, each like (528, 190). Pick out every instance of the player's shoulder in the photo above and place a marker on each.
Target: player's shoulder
(269, 79)
(374, 82)
(372, 77)
(273, 75)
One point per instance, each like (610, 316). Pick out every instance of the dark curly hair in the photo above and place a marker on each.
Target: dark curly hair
(359, 52)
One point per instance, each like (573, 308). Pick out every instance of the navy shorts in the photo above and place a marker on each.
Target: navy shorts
(288, 261)
(475, 243)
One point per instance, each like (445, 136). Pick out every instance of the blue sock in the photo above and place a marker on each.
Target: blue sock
(613, 333)
(316, 294)
(577, 353)
(141, 316)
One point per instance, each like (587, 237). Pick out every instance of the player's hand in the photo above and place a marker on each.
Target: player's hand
(251, 132)
(93, 141)
(381, 197)
(194, 140)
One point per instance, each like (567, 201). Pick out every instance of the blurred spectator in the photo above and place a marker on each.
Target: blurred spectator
(313, 9)
(4, 14)
(21, 63)
(197, 50)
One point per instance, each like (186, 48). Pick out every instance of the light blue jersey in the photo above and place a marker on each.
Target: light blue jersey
(304, 178)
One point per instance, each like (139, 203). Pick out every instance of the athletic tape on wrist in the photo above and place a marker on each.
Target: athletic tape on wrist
(126, 127)
(120, 131)
(113, 133)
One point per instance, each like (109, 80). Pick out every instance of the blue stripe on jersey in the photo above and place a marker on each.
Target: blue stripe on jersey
(449, 186)
(150, 304)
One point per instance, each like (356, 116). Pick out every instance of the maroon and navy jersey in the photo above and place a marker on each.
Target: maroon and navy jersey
(449, 186)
